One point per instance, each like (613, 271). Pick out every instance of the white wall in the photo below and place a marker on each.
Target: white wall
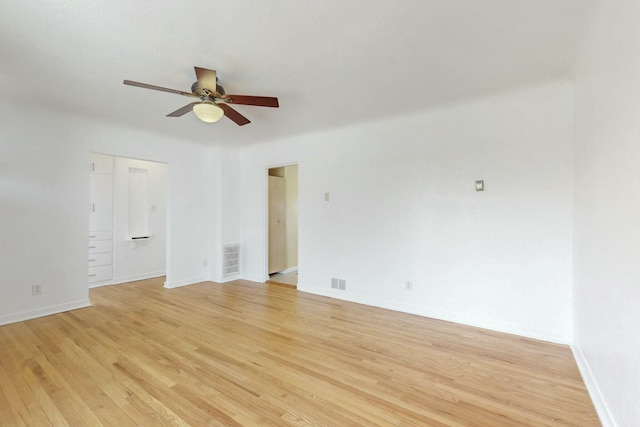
(224, 200)
(44, 196)
(607, 212)
(135, 260)
(403, 207)
(44, 217)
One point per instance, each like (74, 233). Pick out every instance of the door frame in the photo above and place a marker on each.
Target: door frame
(265, 177)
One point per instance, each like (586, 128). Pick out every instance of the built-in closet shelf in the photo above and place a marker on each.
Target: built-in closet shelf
(100, 274)
(100, 246)
(100, 235)
(100, 253)
(100, 260)
(100, 257)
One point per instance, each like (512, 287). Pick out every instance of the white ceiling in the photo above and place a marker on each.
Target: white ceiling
(330, 62)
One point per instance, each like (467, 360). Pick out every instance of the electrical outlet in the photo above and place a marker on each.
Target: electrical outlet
(339, 284)
(36, 290)
(408, 285)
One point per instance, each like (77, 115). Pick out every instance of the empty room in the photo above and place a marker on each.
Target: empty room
(322, 213)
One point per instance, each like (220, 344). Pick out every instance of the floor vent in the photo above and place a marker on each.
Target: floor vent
(230, 260)
(340, 284)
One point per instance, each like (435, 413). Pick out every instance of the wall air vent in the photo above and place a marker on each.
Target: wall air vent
(230, 260)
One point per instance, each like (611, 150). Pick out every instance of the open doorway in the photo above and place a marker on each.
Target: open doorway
(282, 253)
(127, 219)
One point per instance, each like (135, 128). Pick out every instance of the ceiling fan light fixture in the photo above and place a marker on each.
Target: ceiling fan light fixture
(208, 111)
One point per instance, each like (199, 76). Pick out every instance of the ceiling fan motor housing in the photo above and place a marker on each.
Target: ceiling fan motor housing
(196, 90)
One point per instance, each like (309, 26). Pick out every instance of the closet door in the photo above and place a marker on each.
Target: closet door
(101, 209)
(101, 163)
(277, 224)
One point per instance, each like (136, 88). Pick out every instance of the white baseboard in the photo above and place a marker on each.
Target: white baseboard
(228, 278)
(136, 277)
(100, 284)
(44, 311)
(592, 387)
(257, 279)
(434, 313)
(184, 282)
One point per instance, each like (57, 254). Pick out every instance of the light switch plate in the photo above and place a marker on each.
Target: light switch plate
(480, 185)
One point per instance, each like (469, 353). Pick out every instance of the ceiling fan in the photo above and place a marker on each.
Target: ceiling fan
(214, 102)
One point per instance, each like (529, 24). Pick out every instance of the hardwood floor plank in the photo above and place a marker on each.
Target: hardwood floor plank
(12, 410)
(248, 354)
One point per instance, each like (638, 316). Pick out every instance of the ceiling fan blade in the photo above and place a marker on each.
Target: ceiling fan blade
(259, 101)
(206, 79)
(162, 89)
(238, 118)
(182, 111)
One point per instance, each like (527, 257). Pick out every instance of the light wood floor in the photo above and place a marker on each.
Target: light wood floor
(263, 354)
(286, 278)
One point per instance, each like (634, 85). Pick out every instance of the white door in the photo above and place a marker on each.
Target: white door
(277, 224)
(101, 209)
